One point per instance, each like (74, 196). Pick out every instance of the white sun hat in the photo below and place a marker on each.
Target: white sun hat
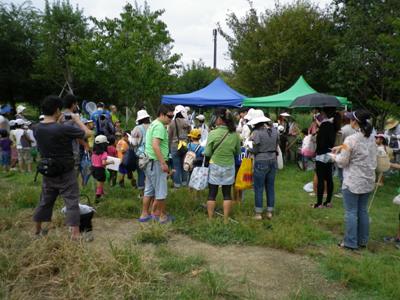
(100, 139)
(12, 122)
(200, 117)
(285, 114)
(259, 117)
(20, 109)
(180, 109)
(142, 114)
(41, 117)
(249, 114)
(19, 122)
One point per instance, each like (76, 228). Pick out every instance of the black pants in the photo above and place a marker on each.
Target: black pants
(113, 177)
(324, 174)
(86, 222)
(213, 191)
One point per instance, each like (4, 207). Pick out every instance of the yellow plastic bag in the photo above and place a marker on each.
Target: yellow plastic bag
(244, 177)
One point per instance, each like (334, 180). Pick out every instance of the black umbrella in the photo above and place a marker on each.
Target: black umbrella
(316, 100)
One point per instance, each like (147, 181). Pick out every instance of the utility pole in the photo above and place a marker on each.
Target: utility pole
(215, 48)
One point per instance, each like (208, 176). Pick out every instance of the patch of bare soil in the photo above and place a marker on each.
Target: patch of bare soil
(267, 273)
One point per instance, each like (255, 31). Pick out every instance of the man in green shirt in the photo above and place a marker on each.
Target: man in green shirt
(157, 169)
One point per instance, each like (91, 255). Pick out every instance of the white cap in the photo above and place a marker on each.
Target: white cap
(258, 117)
(41, 117)
(180, 109)
(20, 109)
(200, 117)
(249, 114)
(28, 123)
(142, 114)
(285, 114)
(12, 122)
(19, 122)
(100, 139)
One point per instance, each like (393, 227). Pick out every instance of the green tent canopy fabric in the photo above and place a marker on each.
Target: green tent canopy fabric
(285, 99)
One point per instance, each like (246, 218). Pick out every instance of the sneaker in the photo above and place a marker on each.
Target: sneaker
(269, 215)
(328, 205)
(257, 217)
(338, 195)
(88, 236)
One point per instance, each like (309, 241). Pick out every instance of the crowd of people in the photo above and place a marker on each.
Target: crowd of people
(178, 141)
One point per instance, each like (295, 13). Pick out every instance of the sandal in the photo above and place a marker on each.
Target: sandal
(145, 219)
(328, 205)
(316, 206)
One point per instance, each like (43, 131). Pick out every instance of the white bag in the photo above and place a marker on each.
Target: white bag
(396, 200)
(199, 178)
(280, 159)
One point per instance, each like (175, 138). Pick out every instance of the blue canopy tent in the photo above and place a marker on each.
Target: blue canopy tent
(217, 93)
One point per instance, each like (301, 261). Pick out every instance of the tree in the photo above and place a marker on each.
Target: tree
(60, 29)
(18, 50)
(129, 56)
(194, 76)
(272, 49)
(367, 64)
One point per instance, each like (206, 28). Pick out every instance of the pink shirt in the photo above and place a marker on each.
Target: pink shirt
(97, 159)
(112, 151)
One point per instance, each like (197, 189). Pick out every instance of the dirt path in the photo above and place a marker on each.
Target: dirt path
(269, 273)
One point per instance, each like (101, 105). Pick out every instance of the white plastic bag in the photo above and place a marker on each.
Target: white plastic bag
(280, 159)
(396, 200)
(199, 178)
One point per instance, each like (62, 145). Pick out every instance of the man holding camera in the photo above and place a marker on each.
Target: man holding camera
(54, 141)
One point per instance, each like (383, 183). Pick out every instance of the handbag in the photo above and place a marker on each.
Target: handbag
(244, 177)
(383, 163)
(199, 178)
(182, 145)
(279, 159)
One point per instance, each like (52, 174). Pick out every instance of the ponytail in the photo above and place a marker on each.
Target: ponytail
(363, 119)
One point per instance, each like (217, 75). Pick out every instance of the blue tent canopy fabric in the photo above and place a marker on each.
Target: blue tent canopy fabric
(217, 93)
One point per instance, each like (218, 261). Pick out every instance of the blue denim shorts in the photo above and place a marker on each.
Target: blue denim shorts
(155, 184)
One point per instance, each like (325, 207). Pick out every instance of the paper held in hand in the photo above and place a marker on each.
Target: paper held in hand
(115, 165)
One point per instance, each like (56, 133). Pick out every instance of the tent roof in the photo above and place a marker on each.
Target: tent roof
(285, 99)
(217, 93)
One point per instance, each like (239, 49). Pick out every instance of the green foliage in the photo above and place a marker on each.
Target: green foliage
(366, 65)
(194, 76)
(130, 57)
(18, 50)
(61, 28)
(271, 50)
(172, 262)
(153, 233)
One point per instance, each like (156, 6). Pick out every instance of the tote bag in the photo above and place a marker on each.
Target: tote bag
(199, 178)
(244, 177)
(279, 159)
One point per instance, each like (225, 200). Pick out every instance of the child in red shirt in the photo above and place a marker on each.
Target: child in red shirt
(112, 151)
(99, 162)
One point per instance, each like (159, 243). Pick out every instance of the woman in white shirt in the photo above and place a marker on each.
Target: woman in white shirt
(357, 157)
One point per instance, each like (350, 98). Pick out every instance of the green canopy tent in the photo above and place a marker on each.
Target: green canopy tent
(285, 99)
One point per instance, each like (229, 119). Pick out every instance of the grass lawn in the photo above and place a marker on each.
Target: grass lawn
(27, 266)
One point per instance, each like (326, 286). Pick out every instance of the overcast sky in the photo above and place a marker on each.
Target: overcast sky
(190, 22)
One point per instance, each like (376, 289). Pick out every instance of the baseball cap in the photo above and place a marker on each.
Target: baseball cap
(100, 139)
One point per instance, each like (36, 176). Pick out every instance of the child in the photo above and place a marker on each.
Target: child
(195, 148)
(122, 147)
(5, 145)
(194, 145)
(112, 151)
(85, 224)
(382, 150)
(99, 162)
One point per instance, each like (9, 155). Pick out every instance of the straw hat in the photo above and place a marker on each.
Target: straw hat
(391, 123)
(258, 117)
(195, 133)
(142, 114)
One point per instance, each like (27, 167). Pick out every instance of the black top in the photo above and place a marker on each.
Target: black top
(55, 139)
(325, 138)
